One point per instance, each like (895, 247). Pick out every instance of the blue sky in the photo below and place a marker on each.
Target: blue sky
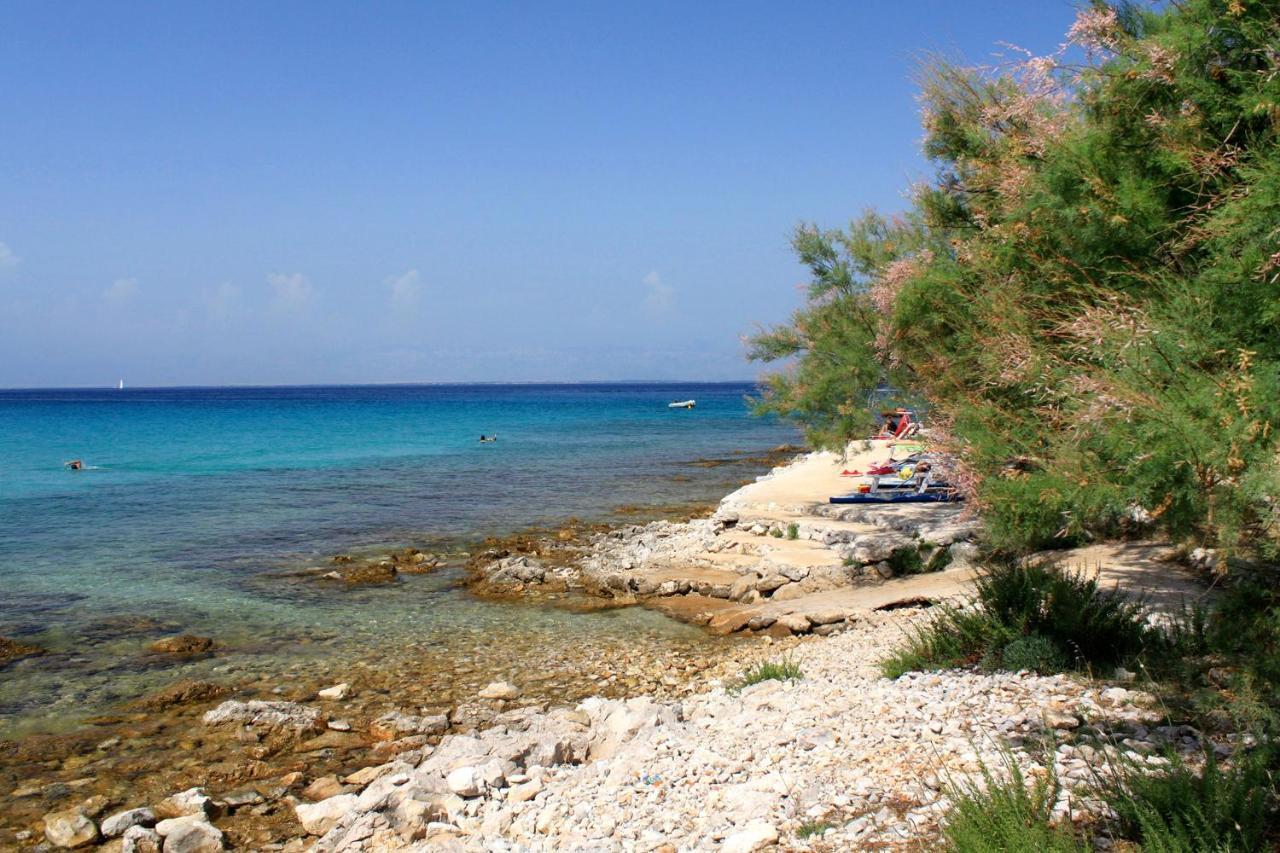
(309, 192)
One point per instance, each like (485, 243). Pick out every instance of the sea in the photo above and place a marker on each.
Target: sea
(196, 505)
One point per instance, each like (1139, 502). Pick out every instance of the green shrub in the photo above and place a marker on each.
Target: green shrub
(1180, 810)
(1033, 652)
(793, 531)
(906, 561)
(786, 669)
(1006, 816)
(1030, 618)
(810, 828)
(775, 532)
(954, 637)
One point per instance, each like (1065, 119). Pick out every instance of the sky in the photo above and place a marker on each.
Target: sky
(318, 192)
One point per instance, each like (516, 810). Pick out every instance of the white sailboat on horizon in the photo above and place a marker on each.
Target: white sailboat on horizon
(121, 386)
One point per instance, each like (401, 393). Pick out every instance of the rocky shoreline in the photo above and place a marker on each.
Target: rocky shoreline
(650, 747)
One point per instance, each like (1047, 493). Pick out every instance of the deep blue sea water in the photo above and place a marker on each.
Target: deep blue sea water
(191, 497)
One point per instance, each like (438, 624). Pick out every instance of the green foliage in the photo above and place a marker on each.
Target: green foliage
(776, 533)
(1036, 618)
(793, 531)
(1006, 816)
(1032, 652)
(1221, 667)
(1183, 810)
(786, 669)
(1088, 288)
(906, 561)
(811, 828)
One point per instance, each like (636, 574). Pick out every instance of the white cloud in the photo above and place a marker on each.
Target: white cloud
(121, 290)
(8, 260)
(291, 291)
(406, 289)
(220, 303)
(659, 294)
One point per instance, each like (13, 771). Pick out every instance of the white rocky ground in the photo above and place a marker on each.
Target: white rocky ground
(865, 757)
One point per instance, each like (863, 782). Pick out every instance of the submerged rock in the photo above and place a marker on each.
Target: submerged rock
(69, 829)
(12, 650)
(256, 713)
(181, 693)
(183, 645)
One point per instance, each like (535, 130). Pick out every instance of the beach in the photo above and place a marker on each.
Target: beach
(641, 742)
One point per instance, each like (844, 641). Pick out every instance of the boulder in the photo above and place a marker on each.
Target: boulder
(323, 788)
(183, 645)
(794, 573)
(319, 818)
(255, 713)
(395, 725)
(120, 822)
(771, 583)
(500, 690)
(789, 592)
(793, 622)
(743, 585)
(523, 793)
(359, 574)
(12, 650)
(756, 835)
(333, 739)
(826, 616)
(877, 547)
(726, 622)
(465, 782)
(337, 691)
(192, 834)
(69, 829)
(140, 839)
(193, 801)
(181, 693)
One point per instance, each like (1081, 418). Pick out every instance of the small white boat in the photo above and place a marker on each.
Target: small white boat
(682, 404)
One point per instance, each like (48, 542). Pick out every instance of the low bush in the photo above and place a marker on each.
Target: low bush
(1001, 816)
(811, 828)
(793, 531)
(786, 669)
(1182, 810)
(1037, 618)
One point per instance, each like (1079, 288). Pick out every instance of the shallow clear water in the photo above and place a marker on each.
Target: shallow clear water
(195, 500)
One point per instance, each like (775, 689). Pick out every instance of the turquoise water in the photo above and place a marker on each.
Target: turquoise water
(195, 500)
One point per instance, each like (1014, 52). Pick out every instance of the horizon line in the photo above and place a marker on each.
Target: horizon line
(409, 384)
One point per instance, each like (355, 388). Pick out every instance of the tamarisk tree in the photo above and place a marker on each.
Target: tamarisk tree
(1086, 292)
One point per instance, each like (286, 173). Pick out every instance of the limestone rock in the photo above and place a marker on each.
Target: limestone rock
(465, 782)
(140, 839)
(796, 623)
(337, 691)
(319, 818)
(323, 788)
(876, 547)
(268, 715)
(500, 690)
(757, 835)
(193, 801)
(182, 645)
(397, 725)
(118, 823)
(69, 829)
(13, 649)
(191, 834)
(180, 693)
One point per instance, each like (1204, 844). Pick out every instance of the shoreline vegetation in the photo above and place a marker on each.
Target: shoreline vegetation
(1083, 654)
